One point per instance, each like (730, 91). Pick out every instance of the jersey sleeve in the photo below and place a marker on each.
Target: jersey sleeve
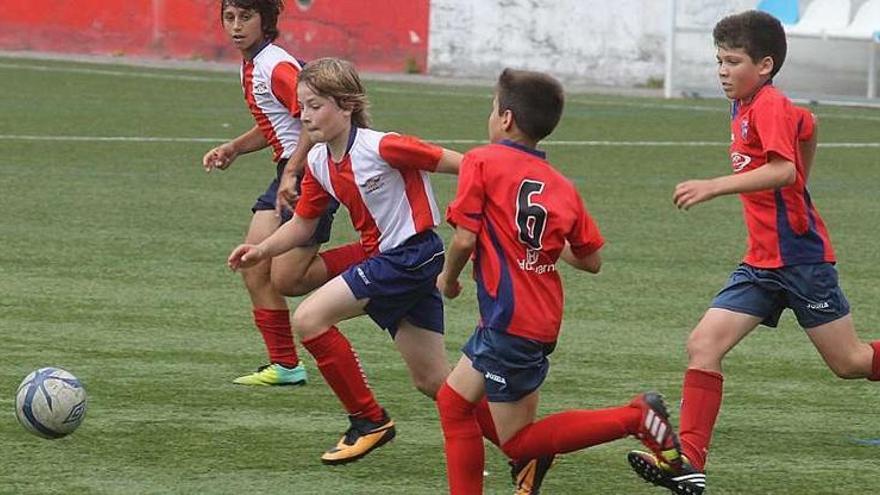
(585, 238)
(806, 124)
(284, 79)
(466, 210)
(313, 199)
(404, 152)
(777, 129)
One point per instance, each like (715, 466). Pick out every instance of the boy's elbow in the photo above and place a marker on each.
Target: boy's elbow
(464, 241)
(594, 267)
(790, 175)
(591, 263)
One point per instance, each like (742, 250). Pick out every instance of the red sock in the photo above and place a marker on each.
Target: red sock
(465, 456)
(700, 403)
(572, 430)
(875, 364)
(274, 325)
(484, 418)
(337, 260)
(341, 369)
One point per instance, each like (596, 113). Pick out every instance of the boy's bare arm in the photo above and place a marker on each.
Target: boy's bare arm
(457, 255)
(297, 232)
(250, 141)
(808, 148)
(590, 263)
(287, 194)
(222, 156)
(774, 174)
(449, 162)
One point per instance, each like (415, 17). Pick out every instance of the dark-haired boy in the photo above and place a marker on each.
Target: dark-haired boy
(268, 79)
(789, 262)
(519, 215)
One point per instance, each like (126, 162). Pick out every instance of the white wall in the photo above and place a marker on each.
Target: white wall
(616, 43)
(612, 42)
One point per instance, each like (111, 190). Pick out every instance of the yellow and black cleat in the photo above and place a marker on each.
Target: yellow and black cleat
(529, 474)
(360, 439)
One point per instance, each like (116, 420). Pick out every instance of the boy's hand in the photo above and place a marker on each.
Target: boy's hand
(245, 256)
(449, 288)
(692, 192)
(220, 157)
(288, 192)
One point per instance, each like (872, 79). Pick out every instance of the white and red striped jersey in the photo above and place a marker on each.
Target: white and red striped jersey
(269, 84)
(382, 180)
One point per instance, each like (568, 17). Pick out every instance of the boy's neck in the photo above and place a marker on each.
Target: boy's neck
(520, 140)
(748, 99)
(532, 150)
(252, 52)
(339, 145)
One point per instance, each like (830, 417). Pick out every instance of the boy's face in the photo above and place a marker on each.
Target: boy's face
(740, 76)
(244, 26)
(321, 117)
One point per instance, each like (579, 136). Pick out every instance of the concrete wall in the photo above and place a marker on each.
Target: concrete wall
(618, 43)
(613, 42)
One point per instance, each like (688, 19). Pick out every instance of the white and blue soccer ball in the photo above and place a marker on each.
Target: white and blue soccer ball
(50, 403)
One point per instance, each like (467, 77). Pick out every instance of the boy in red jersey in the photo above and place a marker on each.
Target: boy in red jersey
(517, 215)
(268, 78)
(383, 180)
(789, 262)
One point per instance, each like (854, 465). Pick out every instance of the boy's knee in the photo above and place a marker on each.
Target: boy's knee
(429, 384)
(306, 323)
(290, 285)
(256, 277)
(849, 369)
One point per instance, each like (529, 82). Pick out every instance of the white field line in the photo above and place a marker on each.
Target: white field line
(230, 80)
(143, 139)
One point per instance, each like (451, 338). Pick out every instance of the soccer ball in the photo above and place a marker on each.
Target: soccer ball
(50, 403)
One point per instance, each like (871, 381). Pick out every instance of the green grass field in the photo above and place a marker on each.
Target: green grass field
(112, 266)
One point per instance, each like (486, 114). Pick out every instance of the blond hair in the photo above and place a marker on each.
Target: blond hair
(338, 79)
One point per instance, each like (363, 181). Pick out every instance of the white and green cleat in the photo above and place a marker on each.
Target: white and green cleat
(274, 375)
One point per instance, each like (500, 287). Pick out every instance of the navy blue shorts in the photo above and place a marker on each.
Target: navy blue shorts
(267, 202)
(512, 366)
(402, 283)
(811, 291)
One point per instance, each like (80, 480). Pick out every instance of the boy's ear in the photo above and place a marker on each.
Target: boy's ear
(507, 120)
(765, 66)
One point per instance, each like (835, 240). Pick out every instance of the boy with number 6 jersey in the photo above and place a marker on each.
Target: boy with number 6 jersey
(517, 215)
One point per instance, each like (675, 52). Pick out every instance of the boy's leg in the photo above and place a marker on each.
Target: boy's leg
(271, 315)
(302, 270)
(425, 356)
(314, 321)
(574, 430)
(717, 333)
(714, 336)
(844, 352)
(456, 403)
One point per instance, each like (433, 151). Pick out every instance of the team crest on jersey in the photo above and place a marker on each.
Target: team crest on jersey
(739, 161)
(372, 184)
(260, 88)
(744, 128)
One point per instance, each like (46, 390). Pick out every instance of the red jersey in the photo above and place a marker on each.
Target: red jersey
(522, 211)
(382, 180)
(783, 226)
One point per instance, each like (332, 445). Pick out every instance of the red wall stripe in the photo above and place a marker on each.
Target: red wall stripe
(379, 35)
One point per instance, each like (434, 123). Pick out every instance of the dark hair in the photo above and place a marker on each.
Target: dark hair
(338, 79)
(535, 99)
(758, 33)
(269, 11)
